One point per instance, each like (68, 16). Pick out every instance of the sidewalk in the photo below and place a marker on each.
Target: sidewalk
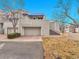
(74, 36)
(3, 38)
(24, 40)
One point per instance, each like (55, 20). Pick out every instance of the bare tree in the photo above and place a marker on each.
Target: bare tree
(9, 7)
(60, 18)
(13, 17)
(65, 7)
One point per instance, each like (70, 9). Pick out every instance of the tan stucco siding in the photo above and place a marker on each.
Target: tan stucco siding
(36, 23)
(27, 22)
(7, 25)
(54, 26)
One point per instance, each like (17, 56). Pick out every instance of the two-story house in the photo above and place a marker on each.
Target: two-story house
(30, 25)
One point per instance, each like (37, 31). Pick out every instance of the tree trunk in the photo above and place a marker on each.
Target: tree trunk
(62, 28)
(14, 28)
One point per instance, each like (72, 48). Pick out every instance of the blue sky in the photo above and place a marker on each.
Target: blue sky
(40, 7)
(47, 8)
(44, 7)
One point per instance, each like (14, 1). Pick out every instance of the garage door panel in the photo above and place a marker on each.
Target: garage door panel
(32, 31)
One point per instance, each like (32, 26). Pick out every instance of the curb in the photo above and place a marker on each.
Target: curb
(21, 40)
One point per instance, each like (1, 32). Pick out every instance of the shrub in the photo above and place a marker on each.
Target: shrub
(13, 35)
(18, 34)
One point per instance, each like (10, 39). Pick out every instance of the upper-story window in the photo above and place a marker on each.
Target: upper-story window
(36, 17)
(24, 14)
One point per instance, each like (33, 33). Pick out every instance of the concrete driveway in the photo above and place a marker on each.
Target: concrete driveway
(24, 47)
(21, 50)
(22, 38)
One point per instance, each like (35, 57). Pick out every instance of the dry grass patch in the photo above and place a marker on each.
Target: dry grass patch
(60, 48)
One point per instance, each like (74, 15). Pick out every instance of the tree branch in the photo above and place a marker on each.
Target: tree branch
(71, 18)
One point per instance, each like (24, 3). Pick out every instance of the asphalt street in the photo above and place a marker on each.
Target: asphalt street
(21, 50)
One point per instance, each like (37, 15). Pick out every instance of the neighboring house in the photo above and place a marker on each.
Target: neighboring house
(71, 28)
(67, 28)
(31, 25)
(74, 29)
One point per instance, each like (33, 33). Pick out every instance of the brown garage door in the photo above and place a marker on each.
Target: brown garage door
(32, 31)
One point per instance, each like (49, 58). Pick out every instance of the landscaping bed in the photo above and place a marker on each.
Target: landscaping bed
(13, 35)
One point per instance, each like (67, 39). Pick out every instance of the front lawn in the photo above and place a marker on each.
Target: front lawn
(60, 48)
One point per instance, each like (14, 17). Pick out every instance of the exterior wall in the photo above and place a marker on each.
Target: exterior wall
(54, 26)
(67, 28)
(1, 25)
(7, 25)
(27, 22)
(35, 23)
(1, 21)
(71, 28)
(74, 29)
